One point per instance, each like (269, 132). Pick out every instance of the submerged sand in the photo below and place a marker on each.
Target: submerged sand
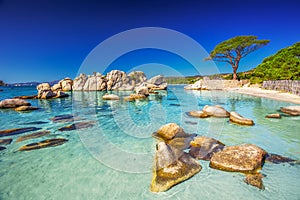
(271, 94)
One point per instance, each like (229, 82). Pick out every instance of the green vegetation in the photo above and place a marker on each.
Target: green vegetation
(284, 65)
(234, 49)
(182, 80)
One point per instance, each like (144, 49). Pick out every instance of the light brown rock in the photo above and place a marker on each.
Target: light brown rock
(110, 97)
(26, 108)
(245, 158)
(13, 103)
(216, 111)
(238, 119)
(169, 131)
(198, 114)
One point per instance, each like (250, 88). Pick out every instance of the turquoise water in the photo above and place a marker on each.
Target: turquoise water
(113, 160)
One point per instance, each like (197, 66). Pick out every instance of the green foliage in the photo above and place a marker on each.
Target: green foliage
(234, 49)
(182, 80)
(284, 65)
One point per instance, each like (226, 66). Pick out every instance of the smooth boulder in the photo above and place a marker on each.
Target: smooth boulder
(170, 170)
(238, 119)
(134, 97)
(13, 103)
(110, 97)
(291, 110)
(169, 131)
(216, 111)
(247, 158)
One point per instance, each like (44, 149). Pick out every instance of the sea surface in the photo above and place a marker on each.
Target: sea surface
(114, 159)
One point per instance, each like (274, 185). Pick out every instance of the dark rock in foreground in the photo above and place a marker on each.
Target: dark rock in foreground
(2, 148)
(78, 125)
(32, 135)
(62, 118)
(5, 141)
(17, 131)
(277, 159)
(43, 144)
(203, 148)
(245, 158)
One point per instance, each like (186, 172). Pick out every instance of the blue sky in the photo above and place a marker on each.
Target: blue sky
(43, 40)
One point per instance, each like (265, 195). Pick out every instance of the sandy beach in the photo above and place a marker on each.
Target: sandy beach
(271, 94)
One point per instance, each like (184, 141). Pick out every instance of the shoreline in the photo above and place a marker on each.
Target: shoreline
(270, 94)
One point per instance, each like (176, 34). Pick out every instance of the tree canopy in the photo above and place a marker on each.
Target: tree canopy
(234, 49)
(283, 65)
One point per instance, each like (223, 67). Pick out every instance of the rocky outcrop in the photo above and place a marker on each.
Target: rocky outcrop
(64, 85)
(13, 103)
(142, 90)
(203, 148)
(216, 111)
(110, 97)
(156, 83)
(95, 82)
(46, 92)
(246, 158)
(170, 170)
(238, 119)
(255, 180)
(207, 84)
(79, 82)
(291, 110)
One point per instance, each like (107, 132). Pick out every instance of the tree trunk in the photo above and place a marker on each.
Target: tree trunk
(234, 73)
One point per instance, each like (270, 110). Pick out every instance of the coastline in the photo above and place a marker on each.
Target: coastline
(270, 94)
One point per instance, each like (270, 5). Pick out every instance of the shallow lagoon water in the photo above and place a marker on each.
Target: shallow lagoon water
(114, 159)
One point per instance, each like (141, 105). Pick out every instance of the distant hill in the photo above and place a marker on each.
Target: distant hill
(283, 65)
(34, 83)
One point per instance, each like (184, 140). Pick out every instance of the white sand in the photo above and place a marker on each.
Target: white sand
(271, 94)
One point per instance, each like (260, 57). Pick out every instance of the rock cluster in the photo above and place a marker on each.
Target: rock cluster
(46, 92)
(17, 105)
(117, 80)
(219, 111)
(207, 84)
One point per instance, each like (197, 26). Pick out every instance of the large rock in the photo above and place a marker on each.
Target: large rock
(245, 158)
(142, 90)
(157, 83)
(238, 119)
(169, 131)
(195, 86)
(203, 148)
(169, 170)
(95, 82)
(291, 110)
(43, 87)
(136, 78)
(46, 94)
(66, 84)
(79, 82)
(13, 103)
(115, 79)
(216, 111)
